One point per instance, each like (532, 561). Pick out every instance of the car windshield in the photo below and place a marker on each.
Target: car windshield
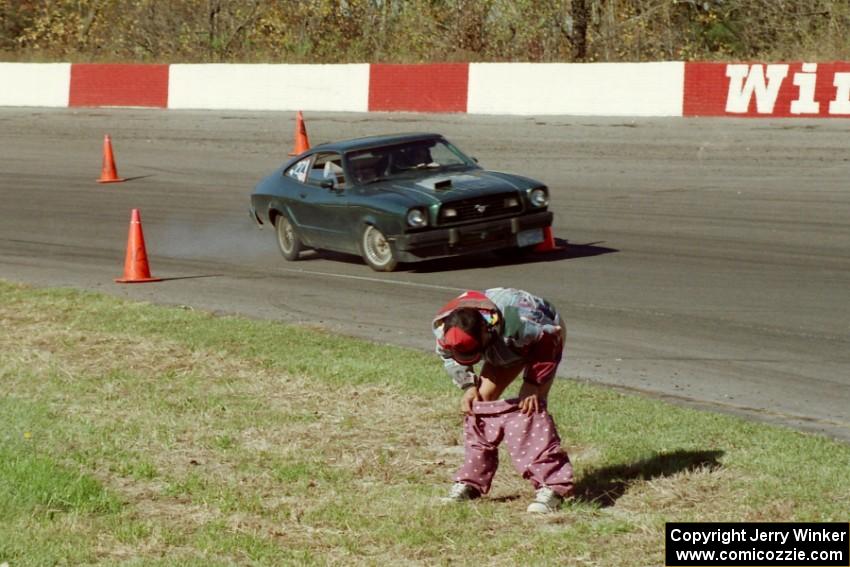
(404, 160)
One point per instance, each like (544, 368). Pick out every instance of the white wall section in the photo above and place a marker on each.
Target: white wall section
(35, 84)
(586, 89)
(270, 87)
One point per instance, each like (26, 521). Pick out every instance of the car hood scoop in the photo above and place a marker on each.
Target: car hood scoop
(458, 181)
(445, 187)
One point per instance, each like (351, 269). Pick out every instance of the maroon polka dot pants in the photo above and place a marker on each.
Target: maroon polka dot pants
(531, 440)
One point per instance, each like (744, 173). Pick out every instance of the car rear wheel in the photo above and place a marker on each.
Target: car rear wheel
(287, 239)
(377, 251)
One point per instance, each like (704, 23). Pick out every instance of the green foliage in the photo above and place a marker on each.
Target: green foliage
(33, 483)
(410, 31)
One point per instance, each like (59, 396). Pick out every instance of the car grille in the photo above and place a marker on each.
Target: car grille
(478, 208)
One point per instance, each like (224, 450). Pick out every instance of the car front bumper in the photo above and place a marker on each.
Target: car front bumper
(469, 238)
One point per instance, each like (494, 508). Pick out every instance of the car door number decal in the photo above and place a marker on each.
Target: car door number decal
(299, 170)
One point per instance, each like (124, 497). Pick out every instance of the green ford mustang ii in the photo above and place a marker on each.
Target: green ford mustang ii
(399, 198)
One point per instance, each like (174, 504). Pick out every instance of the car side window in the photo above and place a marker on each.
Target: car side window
(327, 167)
(367, 166)
(299, 169)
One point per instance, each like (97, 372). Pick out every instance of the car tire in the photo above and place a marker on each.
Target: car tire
(377, 250)
(287, 239)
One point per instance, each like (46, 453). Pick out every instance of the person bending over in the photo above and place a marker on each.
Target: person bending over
(508, 331)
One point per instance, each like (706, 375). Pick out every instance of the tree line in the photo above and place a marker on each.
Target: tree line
(413, 31)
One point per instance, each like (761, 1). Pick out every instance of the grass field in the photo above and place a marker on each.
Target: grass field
(142, 435)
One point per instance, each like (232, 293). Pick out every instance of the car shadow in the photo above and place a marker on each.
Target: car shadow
(563, 250)
(311, 255)
(604, 486)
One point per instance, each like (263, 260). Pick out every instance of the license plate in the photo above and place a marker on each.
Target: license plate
(529, 237)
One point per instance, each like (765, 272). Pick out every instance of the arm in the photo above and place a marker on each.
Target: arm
(544, 358)
(463, 376)
(530, 396)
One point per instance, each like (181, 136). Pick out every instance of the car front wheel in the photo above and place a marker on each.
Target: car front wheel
(287, 239)
(377, 251)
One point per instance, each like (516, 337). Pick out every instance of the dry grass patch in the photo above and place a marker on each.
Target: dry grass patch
(217, 435)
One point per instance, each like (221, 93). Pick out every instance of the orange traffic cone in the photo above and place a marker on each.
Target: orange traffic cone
(301, 142)
(548, 244)
(136, 268)
(108, 173)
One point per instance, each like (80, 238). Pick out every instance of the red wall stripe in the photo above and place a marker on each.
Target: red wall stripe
(119, 85)
(705, 89)
(440, 87)
(806, 90)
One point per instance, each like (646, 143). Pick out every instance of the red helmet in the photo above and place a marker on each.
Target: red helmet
(464, 347)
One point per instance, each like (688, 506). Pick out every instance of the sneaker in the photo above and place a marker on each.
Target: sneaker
(546, 501)
(461, 491)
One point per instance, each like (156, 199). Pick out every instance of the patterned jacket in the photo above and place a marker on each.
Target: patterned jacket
(525, 328)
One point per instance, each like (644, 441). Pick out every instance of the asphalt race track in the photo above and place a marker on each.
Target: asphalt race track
(707, 260)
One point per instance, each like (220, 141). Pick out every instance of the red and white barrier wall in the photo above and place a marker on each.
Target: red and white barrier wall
(592, 89)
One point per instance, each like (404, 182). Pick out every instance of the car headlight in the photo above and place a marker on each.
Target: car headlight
(416, 218)
(539, 197)
(449, 213)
